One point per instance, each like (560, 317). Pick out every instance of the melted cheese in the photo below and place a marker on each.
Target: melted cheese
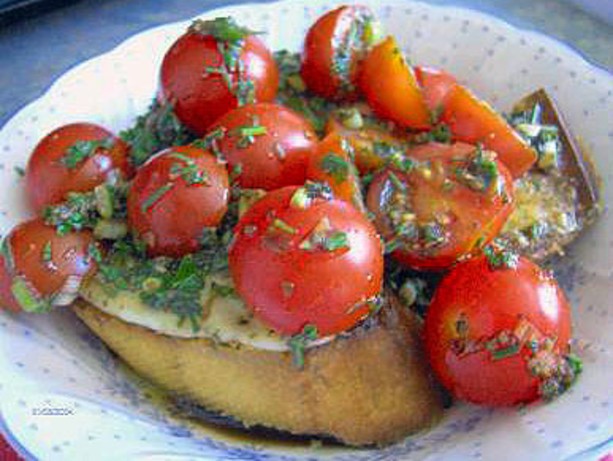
(227, 320)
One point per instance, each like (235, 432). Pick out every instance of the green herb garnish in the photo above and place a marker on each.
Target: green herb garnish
(298, 344)
(47, 256)
(158, 129)
(336, 241)
(224, 29)
(335, 166)
(155, 196)
(499, 258)
(82, 150)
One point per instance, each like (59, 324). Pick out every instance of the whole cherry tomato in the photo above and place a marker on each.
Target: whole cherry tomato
(40, 269)
(391, 89)
(333, 49)
(436, 85)
(176, 195)
(447, 202)
(474, 121)
(213, 68)
(266, 145)
(497, 332)
(302, 258)
(73, 158)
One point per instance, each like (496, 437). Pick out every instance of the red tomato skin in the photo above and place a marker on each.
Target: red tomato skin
(488, 214)
(69, 256)
(319, 50)
(48, 181)
(200, 97)
(328, 286)
(473, 121)
(493, 300)
(262, 164)
(174, 223)
(436, 85)
(391, 89)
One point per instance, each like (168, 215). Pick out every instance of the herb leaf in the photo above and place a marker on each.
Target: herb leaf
(224, 29)
(82, 150)
(335, 166)
(298, 344)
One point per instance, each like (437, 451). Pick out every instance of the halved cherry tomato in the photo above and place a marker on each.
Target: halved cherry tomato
(213, 68)
(474, 121)
(436, 85)
(333, 165)
(176, 195)
(333, 49)
(40, 269)
(499, 335)
(74, 158)
(448, 202)
(390, 87)
(269, 145)
(300, 258)
(371, 145)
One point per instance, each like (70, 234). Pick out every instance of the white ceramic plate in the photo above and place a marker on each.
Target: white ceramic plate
(52, 362)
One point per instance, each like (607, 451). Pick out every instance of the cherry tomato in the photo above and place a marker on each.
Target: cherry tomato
(333, 49)
(301, 258)
(474, 121)
(449, 202)
(40, 268)
(333, 165)
(370, 144)
(268, 143)
(213, 68)
(390, 87)
(436, 85)
(497, 335)
(73, 158)
(176, 195)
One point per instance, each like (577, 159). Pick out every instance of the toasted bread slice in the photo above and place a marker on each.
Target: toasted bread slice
(369, 386)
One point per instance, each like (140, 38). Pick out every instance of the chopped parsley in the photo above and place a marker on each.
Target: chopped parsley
(224, 29)
(188, 170)
(47, 255)
(298, 344)
(500, 258)
(335, 166)
(336, 241)
(84, 210)
(82, 150)
(154, 131)
(157, 194)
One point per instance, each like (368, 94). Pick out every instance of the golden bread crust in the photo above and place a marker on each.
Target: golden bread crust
(371, 386)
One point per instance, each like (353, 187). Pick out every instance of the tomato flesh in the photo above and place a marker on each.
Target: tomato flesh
(73, 158)
(266, 145)
(174, 197)
(332, 164)
(366, 143)
(436, 212)
(493, 334)
(333, 49)
(306, 262)
(50, 267)
(436, 85)
(391, 89)
(473, 121)
(202, 85)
